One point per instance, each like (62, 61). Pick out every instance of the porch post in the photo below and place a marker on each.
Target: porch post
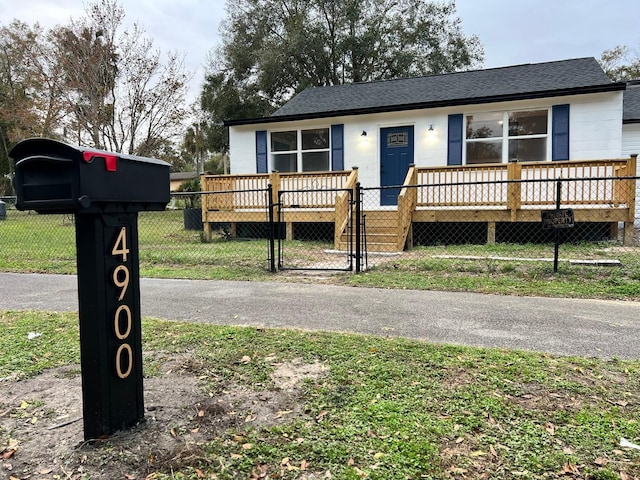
(514, 189)
(491, 233)
(358, 227)
(204, 206)
(629, 228)
(274, 179)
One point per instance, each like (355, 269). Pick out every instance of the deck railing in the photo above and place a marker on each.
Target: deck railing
(521, 185)
(512, 187)
(458, 186)
(310, 190)
(234, 192)
(245, 192)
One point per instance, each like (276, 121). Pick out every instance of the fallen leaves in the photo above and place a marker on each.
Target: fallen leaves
(550, 428)
(570, 469)
(7, 453)
(321, 415)
(287, 465)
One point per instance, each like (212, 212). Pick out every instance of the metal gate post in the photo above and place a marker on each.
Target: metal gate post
(556, 249)
(272, 239)
(278, 225)
(358, 232)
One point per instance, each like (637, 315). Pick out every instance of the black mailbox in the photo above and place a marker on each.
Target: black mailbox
(54, 177)
(105, 191)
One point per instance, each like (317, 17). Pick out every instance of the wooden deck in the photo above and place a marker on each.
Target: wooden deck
(602, 191)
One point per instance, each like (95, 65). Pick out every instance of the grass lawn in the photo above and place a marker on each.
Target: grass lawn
(500, 269)
(46, 243)
(375, 408)
(379, 408)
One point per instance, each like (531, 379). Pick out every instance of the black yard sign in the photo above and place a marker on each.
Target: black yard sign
(560, 218)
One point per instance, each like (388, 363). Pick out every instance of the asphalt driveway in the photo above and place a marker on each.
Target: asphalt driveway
(599, 328)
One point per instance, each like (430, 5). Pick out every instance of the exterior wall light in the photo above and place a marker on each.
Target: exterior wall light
(364, 133)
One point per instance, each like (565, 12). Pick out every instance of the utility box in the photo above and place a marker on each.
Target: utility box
(54, 177)
(105, 191)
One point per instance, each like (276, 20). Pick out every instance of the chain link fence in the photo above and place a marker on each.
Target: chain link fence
(172, 243)
(466, 226)
(469, 227)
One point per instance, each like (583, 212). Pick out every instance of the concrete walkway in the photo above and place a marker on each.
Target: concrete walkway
(559, 326)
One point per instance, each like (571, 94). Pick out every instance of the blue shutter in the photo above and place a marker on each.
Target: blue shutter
(560, 132)
(455, 139)
(261, 151)
(337, 147)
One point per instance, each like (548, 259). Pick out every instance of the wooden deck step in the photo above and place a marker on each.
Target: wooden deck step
(380, 229)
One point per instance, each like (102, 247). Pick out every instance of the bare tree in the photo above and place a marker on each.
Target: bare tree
(119, 93)
(30, 87)
(621, 64)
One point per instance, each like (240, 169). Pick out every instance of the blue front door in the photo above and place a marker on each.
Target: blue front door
(396, 154)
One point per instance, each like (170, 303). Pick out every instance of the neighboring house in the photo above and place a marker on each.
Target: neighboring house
(631, 119)
(558, 110)
(177, 178)
(631, 129)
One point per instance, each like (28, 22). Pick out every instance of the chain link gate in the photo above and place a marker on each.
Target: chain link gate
(315, 229)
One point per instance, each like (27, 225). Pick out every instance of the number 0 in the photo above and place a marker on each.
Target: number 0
(116, 322)
(120, 247)
(126, 348)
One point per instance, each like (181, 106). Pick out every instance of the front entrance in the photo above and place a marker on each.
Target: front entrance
(396, 154)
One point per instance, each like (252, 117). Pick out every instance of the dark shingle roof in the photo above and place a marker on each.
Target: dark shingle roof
(175, 176)
(631, 109)
(565, 77)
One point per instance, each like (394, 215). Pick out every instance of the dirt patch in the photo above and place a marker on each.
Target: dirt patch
(289, 376)
(41, 428)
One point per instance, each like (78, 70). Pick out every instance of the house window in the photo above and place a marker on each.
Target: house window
(284, 148)
(397, 139)
(485, 134)
(528, 135)
(523, 139)
(300, 150)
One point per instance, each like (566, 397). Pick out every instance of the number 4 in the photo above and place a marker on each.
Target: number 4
(120, 247)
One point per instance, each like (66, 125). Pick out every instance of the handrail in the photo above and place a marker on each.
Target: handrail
(343, 208)
(406, 205)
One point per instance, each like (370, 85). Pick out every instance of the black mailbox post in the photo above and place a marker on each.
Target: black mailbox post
(105, 191)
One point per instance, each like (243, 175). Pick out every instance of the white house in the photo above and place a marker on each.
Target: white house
(559, 110)
(525, 117)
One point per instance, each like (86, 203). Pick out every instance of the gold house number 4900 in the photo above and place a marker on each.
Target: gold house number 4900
(120, 280)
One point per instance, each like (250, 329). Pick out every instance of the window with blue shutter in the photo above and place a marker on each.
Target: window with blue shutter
(261, 151)
(455, 140)
(560, 132)
(337, 147)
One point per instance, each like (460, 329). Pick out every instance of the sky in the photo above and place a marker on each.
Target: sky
(512, 32)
